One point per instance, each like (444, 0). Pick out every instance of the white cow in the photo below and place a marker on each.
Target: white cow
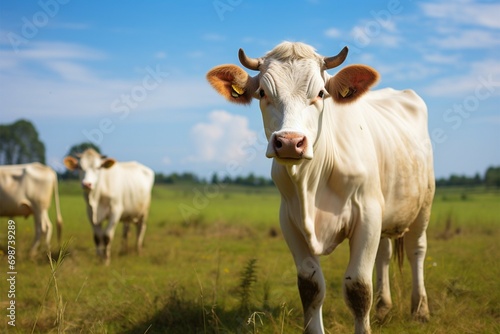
(349, 163)
(117, 191)
(27, 190)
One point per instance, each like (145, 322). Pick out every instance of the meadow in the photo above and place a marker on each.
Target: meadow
(214, 261)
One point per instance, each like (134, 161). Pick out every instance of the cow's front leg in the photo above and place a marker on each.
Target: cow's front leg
(109, 234)
(98, 239)
(383, 301)
(310, 280)
(363, 246)
(312, 290)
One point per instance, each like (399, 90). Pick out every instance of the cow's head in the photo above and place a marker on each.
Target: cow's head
(89, 164)
(292, 86)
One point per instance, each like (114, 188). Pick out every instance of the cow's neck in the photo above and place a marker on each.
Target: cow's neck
(299, 186)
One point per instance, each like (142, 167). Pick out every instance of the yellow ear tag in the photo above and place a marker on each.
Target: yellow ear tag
(345, 92)
(237, 91)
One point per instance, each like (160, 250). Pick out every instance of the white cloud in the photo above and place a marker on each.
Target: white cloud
(212, 37)
(71, 71)
(58, 50)
(486, 72)
(468, 39)
(333, 33)
(438, 58)
(45, 54)
(465, 24)
(195, 54)
(56, 79)
(160, 55)
(222, 139)
(166, 161)
(408, 71)
(375, 33)
(465, 12)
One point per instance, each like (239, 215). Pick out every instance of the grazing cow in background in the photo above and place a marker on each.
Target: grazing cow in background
(117, 191)
(349, 163)
(27, 189)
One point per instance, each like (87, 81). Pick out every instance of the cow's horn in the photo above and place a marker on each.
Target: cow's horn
(331, 62)
(250, 63)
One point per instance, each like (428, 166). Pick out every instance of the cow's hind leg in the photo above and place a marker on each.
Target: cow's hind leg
(416, 246)
(38, 234)
(141, 231)
(46, 229)
(383, 301)
(126, 228)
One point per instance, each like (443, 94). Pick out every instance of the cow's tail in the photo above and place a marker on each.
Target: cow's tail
(59, 220)
(399, 252)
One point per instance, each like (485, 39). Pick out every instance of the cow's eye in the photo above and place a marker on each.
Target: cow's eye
(321, 94)
(262, 93)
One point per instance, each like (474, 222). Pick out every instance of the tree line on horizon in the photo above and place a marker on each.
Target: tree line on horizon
(20, 143)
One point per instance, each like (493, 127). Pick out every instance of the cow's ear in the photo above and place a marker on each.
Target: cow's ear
(70, 163)
(233, 83)
(108, 163)
(351, 83)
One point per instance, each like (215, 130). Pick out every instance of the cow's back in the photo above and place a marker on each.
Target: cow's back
(25, 188)
(129, 184)
(398, 125)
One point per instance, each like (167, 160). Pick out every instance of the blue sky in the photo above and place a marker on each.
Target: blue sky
(130, 75)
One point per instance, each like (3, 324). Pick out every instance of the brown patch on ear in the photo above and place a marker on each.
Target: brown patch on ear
(70, 163)
(232, 82)
(108, 163)
(351, 83)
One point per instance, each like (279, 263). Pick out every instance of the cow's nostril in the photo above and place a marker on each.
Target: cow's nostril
(278, 143)
(300, 143)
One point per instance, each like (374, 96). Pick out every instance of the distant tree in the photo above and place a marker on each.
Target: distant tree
(19, 144)
(477, 179)
(215, 179)
(492, 177)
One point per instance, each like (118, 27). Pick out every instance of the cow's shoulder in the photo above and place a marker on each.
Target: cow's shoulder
(132, 170)
(407, 101)
(402, 109)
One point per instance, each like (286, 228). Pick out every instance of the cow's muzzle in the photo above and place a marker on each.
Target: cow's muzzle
(288, 146)
(87, 186)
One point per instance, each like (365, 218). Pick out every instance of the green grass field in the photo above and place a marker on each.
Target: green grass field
(215, 262)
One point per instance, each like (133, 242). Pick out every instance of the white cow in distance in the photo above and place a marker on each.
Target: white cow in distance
(27, 190)
(349, 163)
(117, 191)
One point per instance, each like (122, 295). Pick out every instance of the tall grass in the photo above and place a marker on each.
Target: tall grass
(54, 265)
